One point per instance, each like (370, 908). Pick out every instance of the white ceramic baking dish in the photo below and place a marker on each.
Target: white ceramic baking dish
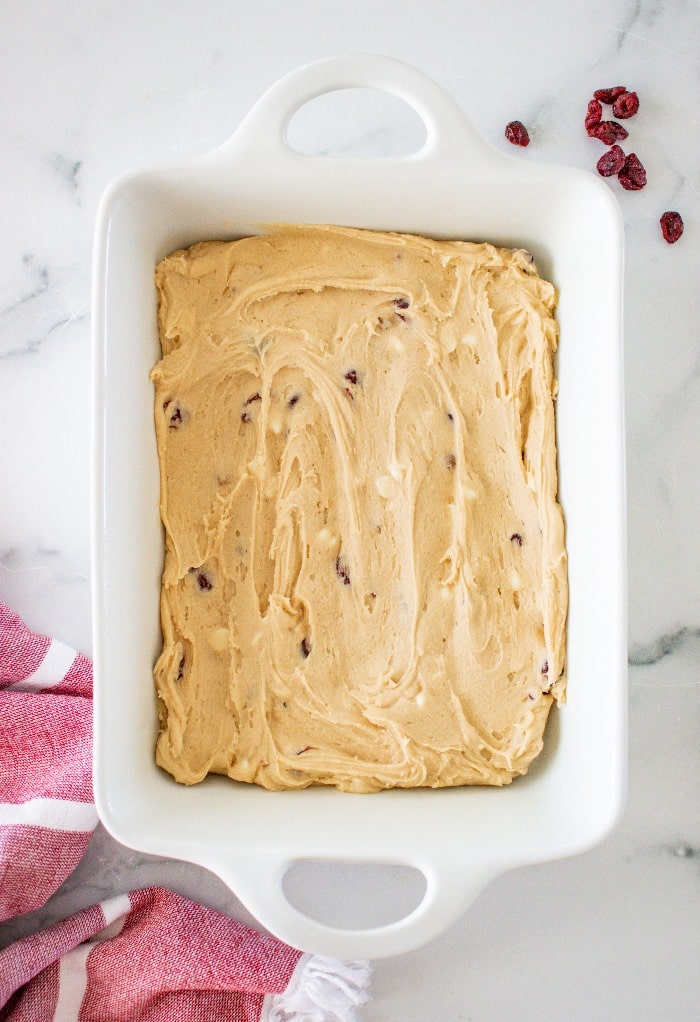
(455, 187)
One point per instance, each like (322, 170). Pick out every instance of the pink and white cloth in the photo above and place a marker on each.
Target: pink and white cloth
(146, 956)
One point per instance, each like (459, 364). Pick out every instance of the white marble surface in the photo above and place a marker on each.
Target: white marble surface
(96, 88)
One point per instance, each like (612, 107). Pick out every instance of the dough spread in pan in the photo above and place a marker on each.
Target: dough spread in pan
(365, 572)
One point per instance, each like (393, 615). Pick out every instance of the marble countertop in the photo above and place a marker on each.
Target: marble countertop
(95, 89)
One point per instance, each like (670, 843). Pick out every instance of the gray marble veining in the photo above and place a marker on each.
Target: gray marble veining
(643, 655)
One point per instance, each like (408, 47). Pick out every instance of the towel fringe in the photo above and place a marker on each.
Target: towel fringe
(320, 990)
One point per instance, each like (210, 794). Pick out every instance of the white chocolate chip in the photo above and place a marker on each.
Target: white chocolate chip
(468, 493)
(396, 471)
(219, 639)
(397, 345)
(445, 593)
(385, 485)
(515, 580)
(420, 699)
(256, 467)
(450, 343)
(470, 340)
(326, 539)
(275, 423)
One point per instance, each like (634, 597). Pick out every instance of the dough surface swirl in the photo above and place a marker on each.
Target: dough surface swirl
(365, 575)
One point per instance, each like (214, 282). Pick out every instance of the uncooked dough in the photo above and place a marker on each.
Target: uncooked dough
(365, 572)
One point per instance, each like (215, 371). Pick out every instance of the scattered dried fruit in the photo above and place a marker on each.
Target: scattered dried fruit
(181, 670)
(633, 176)
(175, 419)
(611, 162)
(293, 400)
(203, 580)
(594, 115)
(608, 132)
(401, 303)
(451, 461)
(342, 571)
(255, 397)
(610, 95)
(630, 172)
(245, 417)
(626, 105)
(351, 376)
(516, 133)
(671, 226)
(517, 539)
(305, 648)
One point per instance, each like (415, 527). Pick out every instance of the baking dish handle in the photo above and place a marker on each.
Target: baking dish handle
(449, 132)
(451, 887)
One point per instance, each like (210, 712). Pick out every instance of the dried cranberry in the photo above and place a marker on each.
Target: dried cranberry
(342, 571)
(401, 303)
(245, 417)
(305, 648)
(351, 376)
(671, 226)
(547, 681)
(293, 400)
(516, 133)
(610, 95)
(594, 115)
(203, 580)
(633, 176)
(611, 162)
(626, 105)
(255, 397)
(175, 419)
(517, 539)
(181, 670)
(608, 132)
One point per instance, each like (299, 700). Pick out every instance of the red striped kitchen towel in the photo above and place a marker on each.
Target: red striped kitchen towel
(47, 813)
(146, 956)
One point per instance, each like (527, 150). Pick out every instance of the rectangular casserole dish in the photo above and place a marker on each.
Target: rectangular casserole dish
(455, 187)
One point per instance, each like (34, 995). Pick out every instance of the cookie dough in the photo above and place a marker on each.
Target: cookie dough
(365, 573)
